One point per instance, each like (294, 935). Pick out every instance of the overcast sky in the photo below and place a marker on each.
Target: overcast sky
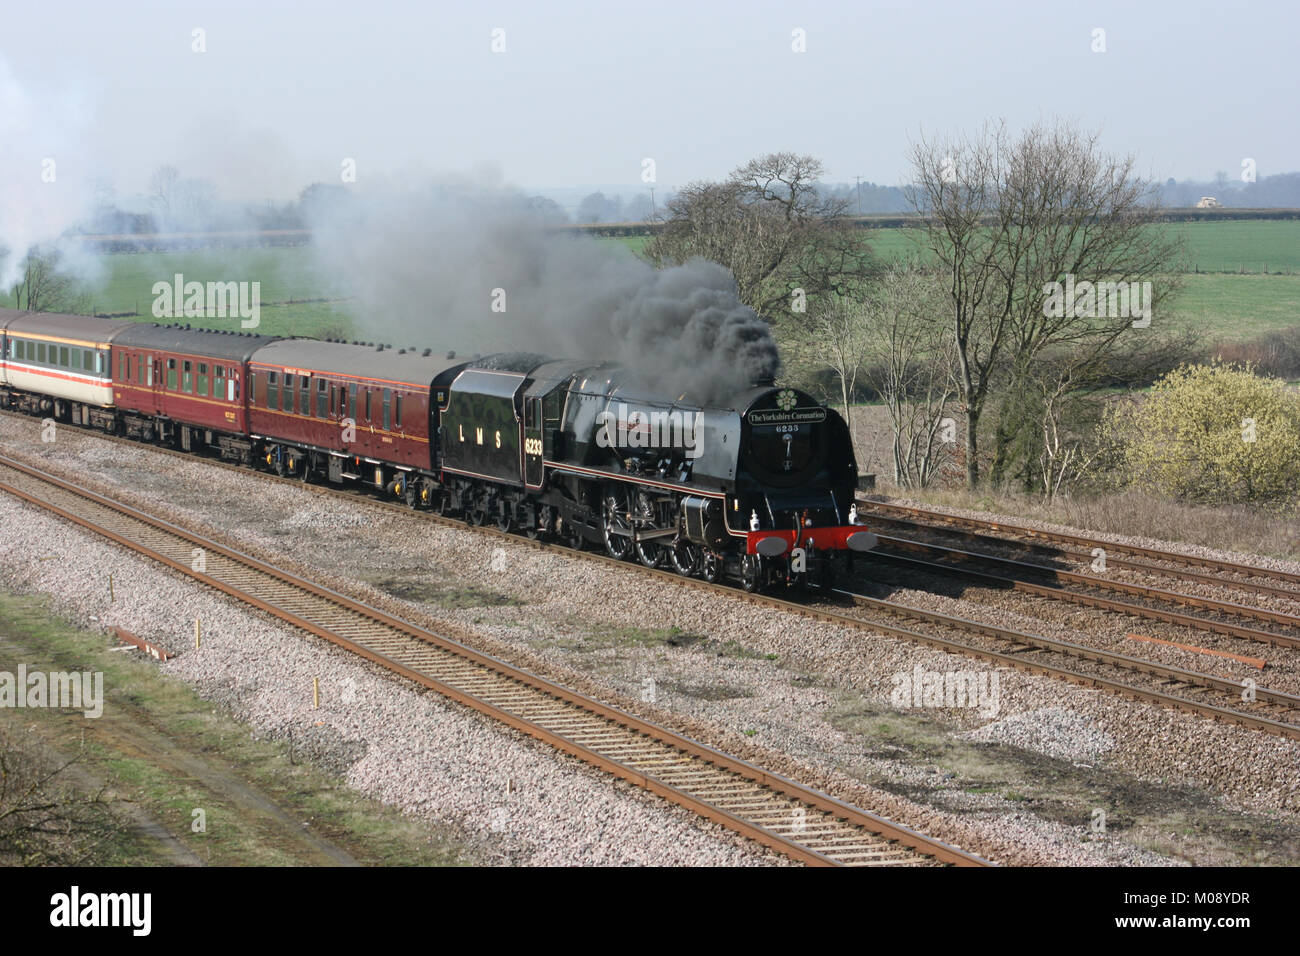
(583, 93)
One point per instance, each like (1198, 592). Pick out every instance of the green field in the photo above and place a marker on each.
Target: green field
(1259, 246)
(1235, 307)
(288, 276)
(295, 297)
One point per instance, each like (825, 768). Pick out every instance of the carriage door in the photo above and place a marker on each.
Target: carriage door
(153, 378)
(533, 442)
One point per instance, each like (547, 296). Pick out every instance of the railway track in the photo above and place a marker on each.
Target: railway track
(1019, 576)
(1228, 574)
(1191, 691)
(1188, 691)
(797, 821)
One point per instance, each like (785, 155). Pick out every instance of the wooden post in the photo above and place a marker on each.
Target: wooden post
(111, 598)
(315, 692)
(197, 633)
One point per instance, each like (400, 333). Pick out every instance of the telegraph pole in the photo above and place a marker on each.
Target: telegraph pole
(858, 180)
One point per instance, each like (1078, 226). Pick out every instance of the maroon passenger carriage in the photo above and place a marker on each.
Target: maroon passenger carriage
(185, 386)
(330, 410)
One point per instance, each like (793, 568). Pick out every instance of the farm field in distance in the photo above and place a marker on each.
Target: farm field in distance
(297, 299)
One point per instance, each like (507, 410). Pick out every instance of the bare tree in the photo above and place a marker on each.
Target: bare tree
(773, 229)
(1010, 219)
(44, 287)
(162, 188)
(837, 335)
(44, 820)
(913, 371)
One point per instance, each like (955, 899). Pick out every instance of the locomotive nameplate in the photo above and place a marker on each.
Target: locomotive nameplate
(795, 416)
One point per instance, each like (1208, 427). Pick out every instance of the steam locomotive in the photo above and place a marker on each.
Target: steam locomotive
(758, 489)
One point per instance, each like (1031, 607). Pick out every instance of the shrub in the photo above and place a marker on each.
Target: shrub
(1215, 434)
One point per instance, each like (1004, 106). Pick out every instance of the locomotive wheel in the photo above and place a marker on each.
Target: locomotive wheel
(442, 503)
(710, 567)
(651, 553)
(685, 556)
(506, 521)
(751, 572)
(618, 530)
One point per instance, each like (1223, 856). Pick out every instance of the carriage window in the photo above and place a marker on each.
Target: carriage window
(304, 404)
(63, 357)
(139, 369)
(322, 391)
(101, 359)
(203, 378)
(149, 372)
(187, 377)
(287, 394)
(397, 412)
(272, 390)
(40, 353)
(88, 360)
(171, 374)
(218, 381)
(367, 404)
(388, 415)
(352, 402)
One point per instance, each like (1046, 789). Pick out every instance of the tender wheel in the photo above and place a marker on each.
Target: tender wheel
(751, 572)
(411, 492)
(711, 567)
(307, 469)
(685, 556)
(618, 531)
(475, 513)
